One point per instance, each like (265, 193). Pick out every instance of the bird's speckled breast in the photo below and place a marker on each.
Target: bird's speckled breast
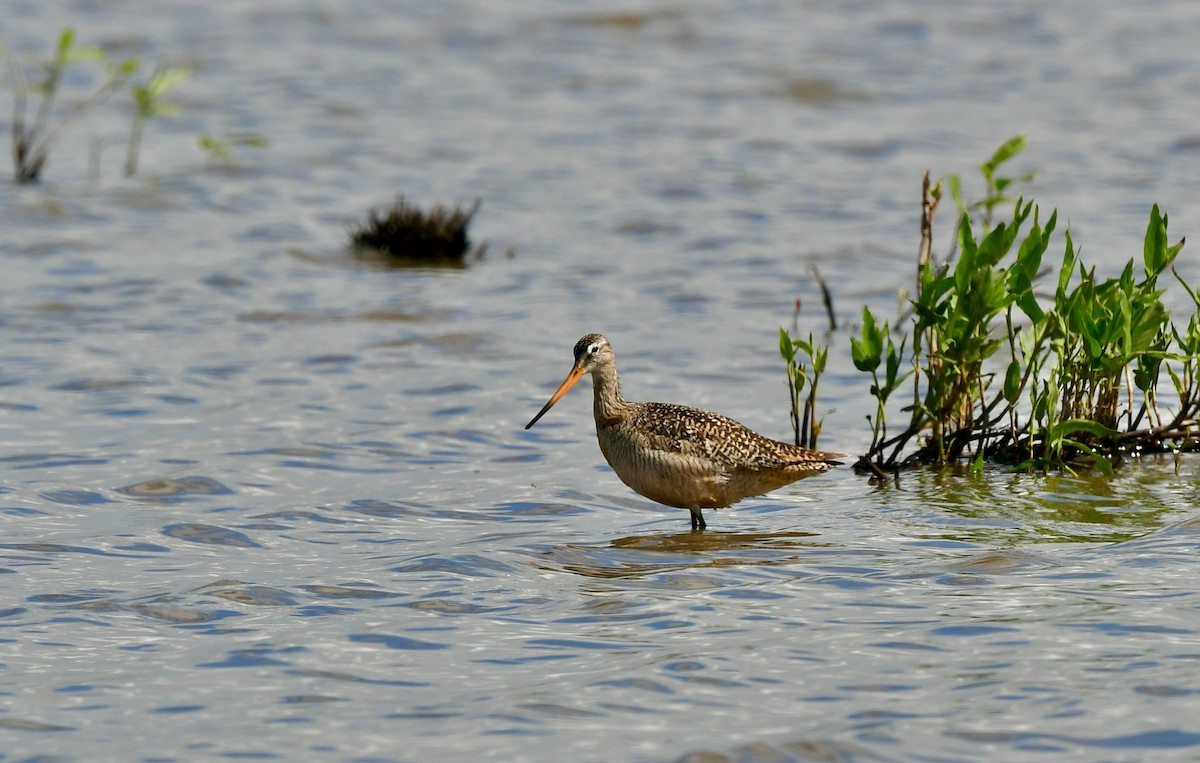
(674, 479)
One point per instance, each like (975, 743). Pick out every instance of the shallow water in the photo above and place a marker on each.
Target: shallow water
(262, 501)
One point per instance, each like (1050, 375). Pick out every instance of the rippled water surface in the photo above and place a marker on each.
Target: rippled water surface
(262, 501)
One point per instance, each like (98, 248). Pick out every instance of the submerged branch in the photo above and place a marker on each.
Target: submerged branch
(826, 298)
(929, 204)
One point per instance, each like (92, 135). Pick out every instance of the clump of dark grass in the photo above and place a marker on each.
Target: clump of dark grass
(406, 235)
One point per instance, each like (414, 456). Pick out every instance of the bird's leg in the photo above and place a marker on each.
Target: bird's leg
(698, 522)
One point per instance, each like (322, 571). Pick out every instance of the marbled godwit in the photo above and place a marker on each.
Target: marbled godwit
(680, 456)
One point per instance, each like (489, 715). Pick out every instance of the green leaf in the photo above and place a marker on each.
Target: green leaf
(1029, 305)
(977, 463)
(87, 53)
(251, 139)
(1012, 382)
(65, 40)
(1175, 380)
(967, 250)
(128, 68)
(165, 79)
(867, 351)
(1040, 406)
(1007, 150)
(1101, 462)
(1154, 250)
(147, 97)
(820, 358)
(1145, 374)
(1070, 257)
(955, 184)
(786, 348)
(1071, 426)
(893, 361)
(163, 110)
(1173, 250)
(215, 146)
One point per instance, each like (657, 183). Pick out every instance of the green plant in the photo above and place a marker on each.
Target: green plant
(805, 425)
(149, 104)
(998, 372)
(955, 315)
(220, 147)
(32, 143)
(995, 185)
(1183, 426)
(868, 353)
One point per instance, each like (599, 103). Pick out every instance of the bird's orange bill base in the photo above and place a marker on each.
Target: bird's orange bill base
(575, 375)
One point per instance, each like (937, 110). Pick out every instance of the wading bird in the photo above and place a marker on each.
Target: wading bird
(680, 456)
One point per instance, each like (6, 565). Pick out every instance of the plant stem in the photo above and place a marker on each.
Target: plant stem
(135, 145)
(826, 298)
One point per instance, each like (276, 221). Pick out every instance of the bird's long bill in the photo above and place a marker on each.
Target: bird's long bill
(575, 375)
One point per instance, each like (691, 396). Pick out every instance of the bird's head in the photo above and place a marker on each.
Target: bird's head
(591, 352)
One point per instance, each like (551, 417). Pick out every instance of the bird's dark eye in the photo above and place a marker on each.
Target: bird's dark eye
(593, 349)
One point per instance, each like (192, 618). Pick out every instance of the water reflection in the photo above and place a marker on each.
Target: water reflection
(996, 506)
(176, 487)
(710, 541)
(1001, 561)
(639, 556)
(786, 752)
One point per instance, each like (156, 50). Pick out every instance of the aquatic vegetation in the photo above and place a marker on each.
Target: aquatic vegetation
(149, 103)
(805, 361)
(32, 142)
(1000, 372)
(803, 373)
(405, 234)
(220, 147)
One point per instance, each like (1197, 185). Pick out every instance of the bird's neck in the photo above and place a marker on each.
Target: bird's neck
(608, 405)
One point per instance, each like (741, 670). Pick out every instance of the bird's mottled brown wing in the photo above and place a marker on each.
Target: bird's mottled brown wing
(696, 432)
